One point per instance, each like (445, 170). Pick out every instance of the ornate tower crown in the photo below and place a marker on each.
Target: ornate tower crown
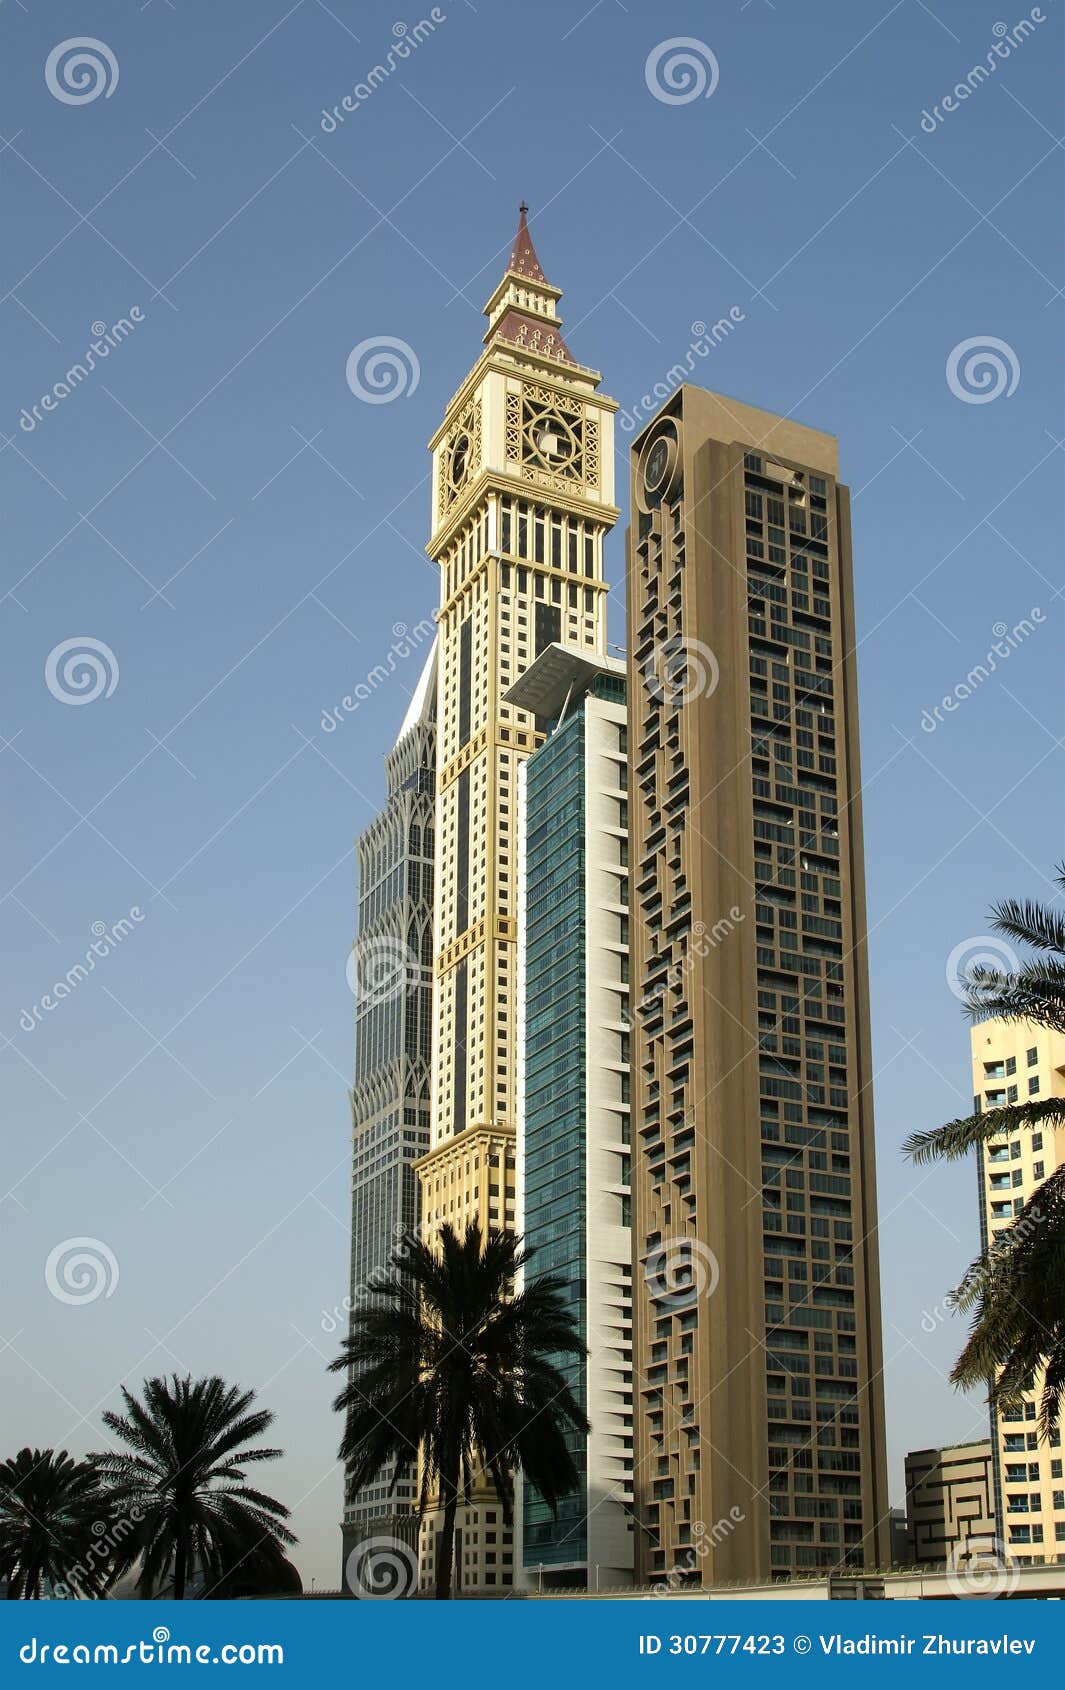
(522, 310)
(527, 412)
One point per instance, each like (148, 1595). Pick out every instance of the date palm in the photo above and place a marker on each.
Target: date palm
(445, 1361)
(1016, 1288)
(182, 1476)
(48, 1503)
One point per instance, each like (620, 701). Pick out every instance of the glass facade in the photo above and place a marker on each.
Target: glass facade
(555, 1066)
(392, 978)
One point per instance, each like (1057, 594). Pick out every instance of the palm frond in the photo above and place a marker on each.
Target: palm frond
(957, 1138)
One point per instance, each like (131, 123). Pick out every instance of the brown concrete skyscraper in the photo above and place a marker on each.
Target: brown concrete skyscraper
(757, 1348)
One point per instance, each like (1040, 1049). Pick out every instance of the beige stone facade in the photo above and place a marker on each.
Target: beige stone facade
(1014, 1061)
(523, 496)
(950, 1503)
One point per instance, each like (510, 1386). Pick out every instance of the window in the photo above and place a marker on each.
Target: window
(1033, 1056)
(1033, 1085)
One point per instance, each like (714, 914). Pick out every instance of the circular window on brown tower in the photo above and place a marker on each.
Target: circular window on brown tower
(659, 464)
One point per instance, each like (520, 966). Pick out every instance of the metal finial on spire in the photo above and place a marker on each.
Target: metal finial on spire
(523, 257)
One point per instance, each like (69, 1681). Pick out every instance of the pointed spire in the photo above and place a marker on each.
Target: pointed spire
(523, 257)
(523, 309)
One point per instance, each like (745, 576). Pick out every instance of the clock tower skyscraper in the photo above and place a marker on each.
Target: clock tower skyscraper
(523, 498)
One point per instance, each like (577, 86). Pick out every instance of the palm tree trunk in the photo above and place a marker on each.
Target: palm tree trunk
(180, 1565)
(449, 1490)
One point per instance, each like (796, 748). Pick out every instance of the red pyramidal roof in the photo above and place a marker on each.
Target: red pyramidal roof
(523, 257)
(526, 329)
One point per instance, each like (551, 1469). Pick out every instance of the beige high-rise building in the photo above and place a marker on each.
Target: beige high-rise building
(1012, 1062)
(523, 497)
(760, 1448)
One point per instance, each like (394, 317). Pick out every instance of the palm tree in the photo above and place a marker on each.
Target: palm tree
(446, 1362)
(1017, 1286)
(190, 1441)
(48, 1503)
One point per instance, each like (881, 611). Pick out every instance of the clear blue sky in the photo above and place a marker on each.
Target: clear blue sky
(186, 1104)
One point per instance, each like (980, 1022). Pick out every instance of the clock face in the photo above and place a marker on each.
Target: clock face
(553, 442)
(659, 466)
(460, 460)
